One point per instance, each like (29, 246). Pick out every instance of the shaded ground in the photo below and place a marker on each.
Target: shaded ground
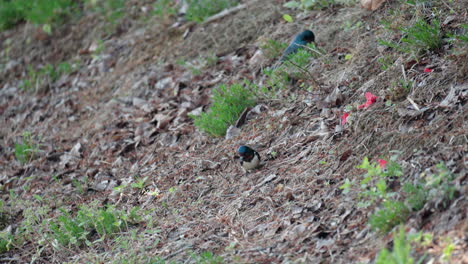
(122, 116)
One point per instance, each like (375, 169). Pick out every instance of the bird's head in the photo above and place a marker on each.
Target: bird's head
(307, 36)
(245, 152)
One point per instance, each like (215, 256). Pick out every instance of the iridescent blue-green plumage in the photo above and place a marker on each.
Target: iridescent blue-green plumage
(302, 39)
(250, 158)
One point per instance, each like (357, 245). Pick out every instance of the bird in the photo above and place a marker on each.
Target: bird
(249, 158)
(301, 39)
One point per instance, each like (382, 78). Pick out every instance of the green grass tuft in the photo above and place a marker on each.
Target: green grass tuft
(392, 213)
(199, 10)
(228, 104)
(401, 253)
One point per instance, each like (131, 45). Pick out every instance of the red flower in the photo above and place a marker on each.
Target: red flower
(382, 163)
(428, 70)
(343, 118)
(371, 98)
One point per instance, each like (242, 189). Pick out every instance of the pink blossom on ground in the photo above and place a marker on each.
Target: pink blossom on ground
(427, 70)
(343, 118)
(382, 163)
(371, 98)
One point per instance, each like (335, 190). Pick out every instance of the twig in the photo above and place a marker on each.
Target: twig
(306, 71)
(403, 70)
(451, 9)
(224, 13)
(413, 103)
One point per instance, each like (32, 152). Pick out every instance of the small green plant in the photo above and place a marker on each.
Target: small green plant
(385, 62)
(164, 8)
(439, 185)
(27, 149)
(228, 104)
(294, 67)
(416, 196)
(418, 38)
(350, 25)
(139, 183)
(9, 14)
(374, 183)
(199, 10)
(401, 253)
(6, 238)
(273, 49)
(207, 258)
(112, 12)
(374, 190)
(448, 249)
(400, 90)
(75, 230)
(310, 4)
(391, 214)
(38, 12)
(46, 75)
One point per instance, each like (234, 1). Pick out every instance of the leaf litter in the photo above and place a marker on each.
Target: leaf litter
(124, 117)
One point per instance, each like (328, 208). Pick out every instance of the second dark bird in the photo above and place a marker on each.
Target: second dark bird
(301, 39)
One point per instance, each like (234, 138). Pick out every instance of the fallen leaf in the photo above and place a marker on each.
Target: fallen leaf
(288, 18)
(372, 4)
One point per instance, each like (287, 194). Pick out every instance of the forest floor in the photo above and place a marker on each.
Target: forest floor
(114, 135)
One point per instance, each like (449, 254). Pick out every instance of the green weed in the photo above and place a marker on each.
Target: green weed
(27, 149)
(416, 196)
(228, 104)
(199, 10)
(401, 253)
(75, 230)
(374, 189)
(164, 8)
(386, 62)
(391, 214)
(39, 12)
(400, 90)
(111, 10)
(273, 49)
(207, 258)
(295, 67)
(418, 38)
(310, 4)
(35, 79)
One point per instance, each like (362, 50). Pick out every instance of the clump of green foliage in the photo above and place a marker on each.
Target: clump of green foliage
(75, 230)
(390, 211)
(46, 75)
(401, 253)
(207, 258)
(273, 49)
(390, 214)
(418, 38)
(113, 11)
(6, 238)
(228, 104)
(199, 10)
(295, 67)
(310, 4)
(164, 8)
(26, 150)
(39, 12)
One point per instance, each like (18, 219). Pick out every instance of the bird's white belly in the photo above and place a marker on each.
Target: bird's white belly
(252, 164)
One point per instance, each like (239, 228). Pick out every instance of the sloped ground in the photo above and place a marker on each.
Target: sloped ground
(123, 116)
